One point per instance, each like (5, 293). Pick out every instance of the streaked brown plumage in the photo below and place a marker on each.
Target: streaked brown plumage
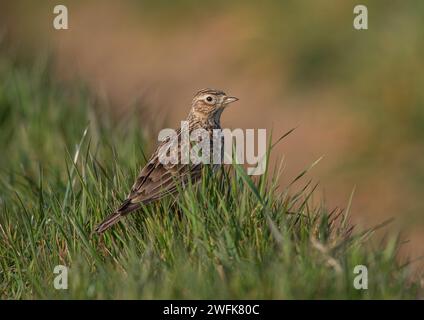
(157, 180)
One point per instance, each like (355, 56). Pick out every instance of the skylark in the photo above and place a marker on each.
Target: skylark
(156, 179)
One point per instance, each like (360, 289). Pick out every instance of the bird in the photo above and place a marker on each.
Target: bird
(156, 179)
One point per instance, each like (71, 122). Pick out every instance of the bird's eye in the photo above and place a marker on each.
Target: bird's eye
(209, 99)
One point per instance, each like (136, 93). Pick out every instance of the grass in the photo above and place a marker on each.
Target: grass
(65, 165)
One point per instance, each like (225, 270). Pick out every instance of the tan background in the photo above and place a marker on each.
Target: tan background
(356, 96)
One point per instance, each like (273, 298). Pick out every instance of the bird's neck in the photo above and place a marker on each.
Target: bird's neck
(201, 120)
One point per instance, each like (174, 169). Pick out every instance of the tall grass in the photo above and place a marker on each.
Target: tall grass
(65, 165)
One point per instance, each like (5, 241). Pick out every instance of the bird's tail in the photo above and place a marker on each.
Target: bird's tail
(108, 222)
(125, 208)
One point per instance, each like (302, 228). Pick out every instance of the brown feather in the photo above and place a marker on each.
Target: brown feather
(157, 180)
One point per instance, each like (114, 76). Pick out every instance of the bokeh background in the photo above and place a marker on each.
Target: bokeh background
(356, 97)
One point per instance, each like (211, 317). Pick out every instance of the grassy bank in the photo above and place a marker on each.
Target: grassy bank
(65, 165)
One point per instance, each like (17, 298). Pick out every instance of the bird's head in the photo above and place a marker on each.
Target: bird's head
(209, 103)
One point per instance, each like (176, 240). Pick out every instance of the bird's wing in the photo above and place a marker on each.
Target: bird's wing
(157, 179)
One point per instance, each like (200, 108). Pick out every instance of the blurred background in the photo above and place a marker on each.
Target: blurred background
(356, 97)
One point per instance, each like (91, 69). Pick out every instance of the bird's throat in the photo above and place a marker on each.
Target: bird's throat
(206, 119)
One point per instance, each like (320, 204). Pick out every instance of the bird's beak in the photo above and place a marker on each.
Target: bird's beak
(229, 100)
